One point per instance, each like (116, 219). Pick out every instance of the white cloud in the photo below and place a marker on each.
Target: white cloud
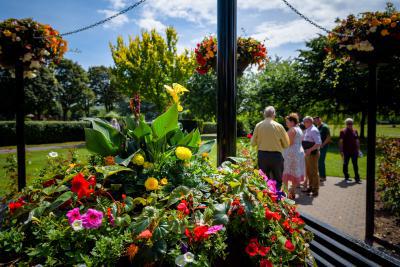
(117, 4)
(115, 22)
(276, 34)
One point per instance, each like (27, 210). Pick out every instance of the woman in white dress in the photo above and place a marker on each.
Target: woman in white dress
(294, 162)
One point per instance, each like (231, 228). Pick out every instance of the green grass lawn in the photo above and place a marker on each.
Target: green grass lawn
(35, 160)
(381, 130)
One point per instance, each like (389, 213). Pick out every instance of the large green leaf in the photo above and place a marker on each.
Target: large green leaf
(176, 137)
(177, 194)
(193, 139)
(207, 146)
(160, 231)
(111, 170)
(221, 213)
(144, 220)
(60, 200)
(142, 130)
(166, 122)
(98, 143)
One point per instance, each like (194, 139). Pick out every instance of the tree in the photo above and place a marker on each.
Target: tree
(73, 81)
(103, 84)
(148, 62)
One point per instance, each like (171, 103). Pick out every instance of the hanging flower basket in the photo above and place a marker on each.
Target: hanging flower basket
(32, 43)
(371, 37)
(249, 52)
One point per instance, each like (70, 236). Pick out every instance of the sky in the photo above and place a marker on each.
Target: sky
(283, 31)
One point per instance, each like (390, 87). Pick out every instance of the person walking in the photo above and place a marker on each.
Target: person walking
(294, 162)
(325, 133)
(349, 146)
(311, 143)
(271, 139)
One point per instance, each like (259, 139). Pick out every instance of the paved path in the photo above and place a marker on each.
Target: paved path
(339, 204)
(43, 147)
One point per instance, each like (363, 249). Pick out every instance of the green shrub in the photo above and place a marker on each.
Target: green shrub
(209, 128)
(389, 174)
(44, 132)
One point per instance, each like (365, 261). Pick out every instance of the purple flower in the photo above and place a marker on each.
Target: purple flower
(111, 219)
(272, 185)
(73, 215)
(92, 219)
(214, 229)
(280, 194)
(184, 248)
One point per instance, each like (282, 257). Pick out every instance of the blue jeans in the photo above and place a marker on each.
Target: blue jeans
(321, 162)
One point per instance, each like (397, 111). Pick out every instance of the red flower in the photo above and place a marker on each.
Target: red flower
(200, 233)
(286, 225)
(298, 221)
(49, 183)
(289, 245)
(273, 238)
(202, 71)
(252, 249)
(146, 234)
(92, 180)
(200, 59)
(263, 251)
(241, 211)
(269, 215)
(249, 135)
(235, 202)
(81, 186)
(266, 263)
(182, 207)
(123, 196)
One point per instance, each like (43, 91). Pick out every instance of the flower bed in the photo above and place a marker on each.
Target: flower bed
(150, 197)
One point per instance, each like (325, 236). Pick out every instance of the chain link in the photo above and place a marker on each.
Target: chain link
(312, 22)
(104, 20)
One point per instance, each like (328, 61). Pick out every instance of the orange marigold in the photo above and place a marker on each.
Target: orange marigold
(109, 160)
(131, 251)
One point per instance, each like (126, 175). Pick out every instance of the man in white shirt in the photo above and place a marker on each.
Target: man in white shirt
(311, 144)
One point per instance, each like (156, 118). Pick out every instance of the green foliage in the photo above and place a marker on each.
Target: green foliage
(389, 174)
(148, 62)
(43, 132)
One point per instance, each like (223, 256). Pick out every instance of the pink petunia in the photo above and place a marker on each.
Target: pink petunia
(214, 229)
(73, 215)
(92, 219)
(263, 175)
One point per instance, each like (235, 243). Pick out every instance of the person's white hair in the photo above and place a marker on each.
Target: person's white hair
(269, 112)
(349, 120)
(308, 118)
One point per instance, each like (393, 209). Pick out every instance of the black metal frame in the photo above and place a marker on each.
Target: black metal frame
(20, 123)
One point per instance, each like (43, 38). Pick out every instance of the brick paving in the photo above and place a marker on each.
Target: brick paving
(340, 204)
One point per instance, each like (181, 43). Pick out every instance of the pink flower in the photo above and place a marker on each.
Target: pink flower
(214, 229)
(272, 185)
(92, 219)
(263, 175)
(73, 215)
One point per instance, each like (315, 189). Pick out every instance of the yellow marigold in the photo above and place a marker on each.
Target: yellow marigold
(151, 183)
(131, 251)
(183, 153)
(384, 32)
(204, 155)
(7, 33)
(138, 159)
(164, 181)
(109, 160)
(148, 165)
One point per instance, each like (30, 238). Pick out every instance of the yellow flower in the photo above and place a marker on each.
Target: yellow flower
(164, 181)
(204, 155)
(138, 159)
(384, 32)
(256, 172)
(175, 92)
(148, 165)
(210, 54)
(183, 153)
(72, 165)
(7, 33)
(151, 183)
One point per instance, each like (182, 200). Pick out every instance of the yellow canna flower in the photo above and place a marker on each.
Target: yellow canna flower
(151, 184)
(183, 153)
(138, 159)
(175, 91)
(7, 33)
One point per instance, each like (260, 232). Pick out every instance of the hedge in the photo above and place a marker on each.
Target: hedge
(44, 132)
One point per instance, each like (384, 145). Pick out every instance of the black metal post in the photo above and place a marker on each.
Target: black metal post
(20, 124)
(226, 70)
(372, 103)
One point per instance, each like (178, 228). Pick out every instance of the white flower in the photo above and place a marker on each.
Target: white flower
(29, 74)
(349, 47)
(365, 46)
(35, 64)
(17, 38)
(373, 29)
(77, 225)
(180, 261)
(53, 154)
(44, 52)
(38, 265)
(189, 257)
(27, 57)
(81, 265)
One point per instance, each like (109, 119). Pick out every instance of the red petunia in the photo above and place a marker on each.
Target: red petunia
(92, 180)
(289, 245)
(266, 263)
(200, 232)
(269, 215)
(81, 186)
(298, 221)
(13, 206)
(252, 249)
(263, 251)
